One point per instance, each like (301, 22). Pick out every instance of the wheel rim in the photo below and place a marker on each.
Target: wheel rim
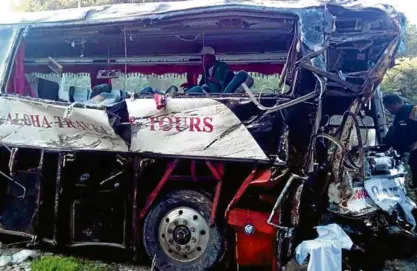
(183, 234)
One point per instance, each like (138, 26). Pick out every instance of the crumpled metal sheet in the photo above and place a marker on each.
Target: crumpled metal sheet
(390, 193)
(167, 9)
(314, 19)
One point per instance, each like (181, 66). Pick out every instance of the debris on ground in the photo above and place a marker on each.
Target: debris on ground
(17, 261)
(24, 255)
(401, 264)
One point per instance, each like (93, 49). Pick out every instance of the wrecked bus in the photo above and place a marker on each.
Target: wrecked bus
(101, 145)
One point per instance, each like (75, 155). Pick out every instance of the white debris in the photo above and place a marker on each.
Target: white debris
(361, 202)
(23, 255)
(326, 250)
(388, 193)
(5, 261)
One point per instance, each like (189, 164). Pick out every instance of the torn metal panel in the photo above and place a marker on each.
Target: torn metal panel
(296, 205)
(340, 180)
(360, 203)
(42, 124)
(195, 127)
(158, 11)
(388, 193)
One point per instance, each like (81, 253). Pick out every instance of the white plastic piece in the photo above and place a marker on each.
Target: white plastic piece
(23, 255)
(387, 193)
(5, 261)
(326, 250)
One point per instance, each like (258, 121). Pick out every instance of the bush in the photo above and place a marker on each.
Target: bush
(56, 263)
(402, 79)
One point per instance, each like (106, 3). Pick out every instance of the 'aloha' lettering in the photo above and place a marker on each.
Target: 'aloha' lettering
(38, 121)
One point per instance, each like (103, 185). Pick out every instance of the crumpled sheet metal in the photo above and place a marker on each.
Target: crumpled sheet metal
(326, 250)
(388, 194)
(315, 21)
(341, 178)
(313, 35)
(158, 11)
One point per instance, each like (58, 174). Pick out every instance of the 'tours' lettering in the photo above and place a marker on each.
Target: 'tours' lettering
(192, 124)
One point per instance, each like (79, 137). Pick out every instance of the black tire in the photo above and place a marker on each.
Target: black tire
(182, 198)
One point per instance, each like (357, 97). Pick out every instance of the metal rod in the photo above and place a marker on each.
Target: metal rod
(57, 196)
(12, 161)
(171, 166)
(16, 183)
(186, 60)
(137, 169)
(241, 190)
(100, 244)
(214, 171)
(16, 233)
(193, 171)
(48, 241)
(277, 107)
(111, 177)
(219, 177)
(215, 202)
(39, 189)
(189, 178)
(279, 200)
(125, 221)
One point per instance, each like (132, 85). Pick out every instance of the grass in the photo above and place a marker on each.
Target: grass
(57, 263)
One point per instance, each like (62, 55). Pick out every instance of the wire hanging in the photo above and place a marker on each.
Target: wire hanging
(125, 41)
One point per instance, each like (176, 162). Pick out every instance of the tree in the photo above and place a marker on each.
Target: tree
(402, 79)
(42, 5)
(411, 40)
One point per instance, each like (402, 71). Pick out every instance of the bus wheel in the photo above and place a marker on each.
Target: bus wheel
(177, 235)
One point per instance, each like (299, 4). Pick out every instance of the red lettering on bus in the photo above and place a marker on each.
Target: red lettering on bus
(208, 126)
(194, 124)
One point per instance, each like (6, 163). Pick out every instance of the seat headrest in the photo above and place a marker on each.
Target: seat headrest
(102, 88)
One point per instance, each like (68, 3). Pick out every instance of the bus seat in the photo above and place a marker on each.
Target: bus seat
(48, 90)
(102, 88)
(235, 85)
(77, 94)
(106, 98)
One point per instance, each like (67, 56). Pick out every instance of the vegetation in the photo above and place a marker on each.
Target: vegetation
(56, 263)
(41, 5)
(402, 79)
(411, 40)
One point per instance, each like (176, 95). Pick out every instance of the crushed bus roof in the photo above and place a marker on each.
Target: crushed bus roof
(166, 10)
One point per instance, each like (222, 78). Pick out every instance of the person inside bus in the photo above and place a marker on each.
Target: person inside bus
(402, 135)
(217, 77)
(215, 72)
